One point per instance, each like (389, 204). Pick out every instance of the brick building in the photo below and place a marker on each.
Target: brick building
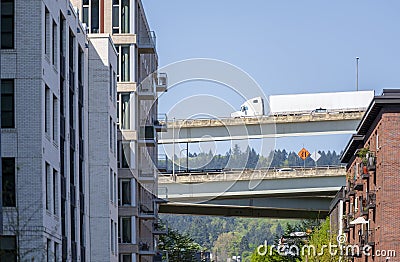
(367, 209)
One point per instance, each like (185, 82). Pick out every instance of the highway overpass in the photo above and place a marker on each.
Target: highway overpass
(299, 193)
(297, 124)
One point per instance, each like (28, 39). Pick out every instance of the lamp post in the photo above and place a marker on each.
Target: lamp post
(357, 58)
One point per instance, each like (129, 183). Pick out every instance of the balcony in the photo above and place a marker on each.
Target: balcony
(147, 135)
(350, 187)
(160, 227)
(161, 123)
(350, 218)
(371, 199)
(146, 247)
(358, 186)
(371, 163)
(367, 237)
(145, 212)
(147, 175)
(146, 42)
(162, 82)
(146, 89)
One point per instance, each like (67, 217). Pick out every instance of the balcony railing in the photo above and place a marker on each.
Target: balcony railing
(161, 123)
(367, 237)
(162, 82)
(147, 42)
(147, 88)
(160, 227)
(371, 199)
(147, 135)
(146, 246)
(146, 211)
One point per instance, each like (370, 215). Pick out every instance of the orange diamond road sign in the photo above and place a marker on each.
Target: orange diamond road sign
(303, 153)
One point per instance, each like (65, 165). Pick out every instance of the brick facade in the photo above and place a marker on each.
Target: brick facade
(373, 182)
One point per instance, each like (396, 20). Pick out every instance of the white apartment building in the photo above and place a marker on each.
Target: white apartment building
(138, 84)
(44, 131)
(59, 149)
(75, 189)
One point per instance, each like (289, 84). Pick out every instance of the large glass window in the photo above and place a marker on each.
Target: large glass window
(8, 165)
(95, 16)
(7, 24)
(123, 63)
(126, 230)
(8, 249)
(125, 121)
(7, 103)
(125, 192)
(47, 110)
(120, 16)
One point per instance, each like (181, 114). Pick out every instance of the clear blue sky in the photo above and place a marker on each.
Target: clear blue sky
(286, 46)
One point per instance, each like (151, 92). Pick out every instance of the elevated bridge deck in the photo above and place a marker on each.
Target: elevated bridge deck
(296, 124)
(305, 192)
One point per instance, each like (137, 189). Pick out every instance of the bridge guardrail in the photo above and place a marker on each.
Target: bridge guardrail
(231, 175)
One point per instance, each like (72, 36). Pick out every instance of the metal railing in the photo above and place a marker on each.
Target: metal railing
(147, 39)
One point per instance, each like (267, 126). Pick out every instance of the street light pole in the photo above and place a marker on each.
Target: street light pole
(357, 58)
(1, 159)
(173, 148)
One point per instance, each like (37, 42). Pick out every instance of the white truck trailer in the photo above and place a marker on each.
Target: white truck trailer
(306, 103)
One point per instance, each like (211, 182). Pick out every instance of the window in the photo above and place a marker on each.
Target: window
(125, 258)
(126, 234)
(47, 110)
(55, 192)
(125, 111)
(7, 24)
(49, 253)
(123, 63)
(46, 32)
(8, 165)
(54, 44)
(48, 186)
(120, 16)
(7, 103)
(125, 192)
(94, 13)
(86, 12)
(111, 135)
(112, 236)
(111, 185)
(115, 138)
(115, 188)
(8, 248)
(55, 118)
(56, 258)
(111, 83)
